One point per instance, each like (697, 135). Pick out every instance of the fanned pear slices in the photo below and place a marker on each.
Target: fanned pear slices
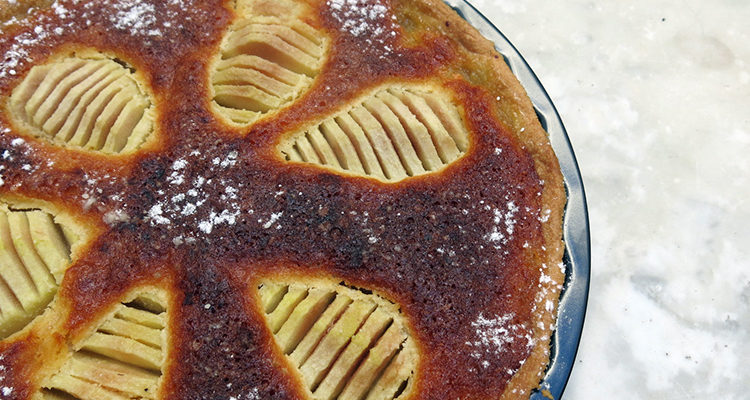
(266, 63)
(91, 102)
(35, 251)
(122, 359)
(344, 343)
(392, 135)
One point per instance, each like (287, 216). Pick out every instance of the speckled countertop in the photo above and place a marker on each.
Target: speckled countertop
(655, 96)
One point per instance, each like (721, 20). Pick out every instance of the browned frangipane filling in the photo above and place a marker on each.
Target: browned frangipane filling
(259, 199)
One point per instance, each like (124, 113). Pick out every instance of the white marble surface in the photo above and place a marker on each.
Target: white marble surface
(655, 96)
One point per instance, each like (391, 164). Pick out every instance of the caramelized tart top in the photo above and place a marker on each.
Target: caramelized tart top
(257, 199)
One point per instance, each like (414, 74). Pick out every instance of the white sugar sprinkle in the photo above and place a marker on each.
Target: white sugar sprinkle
(136, 17)
(179, 164)
(367, 19)
(156, 215)
(494, 334)
(274, 217)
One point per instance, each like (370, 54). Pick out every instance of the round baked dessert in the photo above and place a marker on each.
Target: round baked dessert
(269, 199)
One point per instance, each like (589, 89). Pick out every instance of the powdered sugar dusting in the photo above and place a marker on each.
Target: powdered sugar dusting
(144, 18)
(200, 203)
(359, 17)
(38, 31)
(19, 149)
(4, 390)
(271, 220)
(253, 394)
(135, 16)
(19, 159)
(494, 335)
(367, 19)
(504, 224)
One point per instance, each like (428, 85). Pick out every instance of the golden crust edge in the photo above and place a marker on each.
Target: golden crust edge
(546, 164)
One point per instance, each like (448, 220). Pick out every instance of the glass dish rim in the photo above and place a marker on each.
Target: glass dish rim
(576, 233)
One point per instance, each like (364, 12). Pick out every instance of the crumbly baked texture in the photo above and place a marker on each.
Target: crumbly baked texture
(261, 199)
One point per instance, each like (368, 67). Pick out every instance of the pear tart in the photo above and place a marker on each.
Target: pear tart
(269, 199)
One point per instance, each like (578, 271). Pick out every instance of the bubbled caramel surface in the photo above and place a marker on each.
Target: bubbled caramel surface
(208, 208)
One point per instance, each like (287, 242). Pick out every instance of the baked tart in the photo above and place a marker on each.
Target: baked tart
(269, 199)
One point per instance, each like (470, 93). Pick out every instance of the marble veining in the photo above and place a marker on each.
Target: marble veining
(655, 96)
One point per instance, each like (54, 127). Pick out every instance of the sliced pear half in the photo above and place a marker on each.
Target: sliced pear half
(266, 63)
(90, 101)
(122, 359)
(391, 135)
(344, 343)
(35, 251)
